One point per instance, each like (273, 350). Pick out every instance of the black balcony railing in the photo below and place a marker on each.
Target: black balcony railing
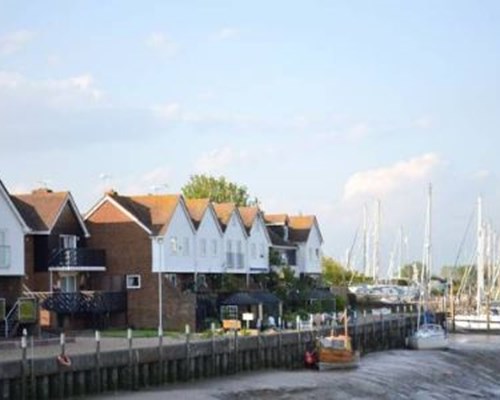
(78, 257)
(86, 302)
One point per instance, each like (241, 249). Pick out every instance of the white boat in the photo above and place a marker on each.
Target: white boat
(481, 321)
(427, 336)
(477, 323)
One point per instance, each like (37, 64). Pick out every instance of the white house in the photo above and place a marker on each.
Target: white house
(12, 231)
(258, 242)
(297, 240)
(305, 233)
(209, 251)
(235, 238)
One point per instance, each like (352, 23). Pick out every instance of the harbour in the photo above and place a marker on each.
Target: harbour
(468, 369)
(142, 367)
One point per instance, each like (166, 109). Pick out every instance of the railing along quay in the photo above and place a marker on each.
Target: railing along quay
(65, 375)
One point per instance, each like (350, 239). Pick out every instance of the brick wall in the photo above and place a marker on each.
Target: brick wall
(128, 251)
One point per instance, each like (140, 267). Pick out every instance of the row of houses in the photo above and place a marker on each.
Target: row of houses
(133, 260)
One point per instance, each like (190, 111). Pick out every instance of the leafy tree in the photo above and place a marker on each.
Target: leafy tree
(218, 190)
(333, 273)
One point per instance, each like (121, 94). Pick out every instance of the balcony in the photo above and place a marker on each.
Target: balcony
(85, 302)
(78, 259)
(4, 256)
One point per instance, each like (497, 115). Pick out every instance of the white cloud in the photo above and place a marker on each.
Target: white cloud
(15, 41)
(381, 181)
(168, 111)
(217, 160)
(227, 33)
(59, 93)
(162, 43)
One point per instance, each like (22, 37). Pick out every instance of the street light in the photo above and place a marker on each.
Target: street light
(160, 285)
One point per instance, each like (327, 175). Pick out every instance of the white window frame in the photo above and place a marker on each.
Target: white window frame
(5, 261)
(214, 248)
(203, 247)
(68, 241)
(130, 278)
(65, 286)
(174, 246)
(172, 278)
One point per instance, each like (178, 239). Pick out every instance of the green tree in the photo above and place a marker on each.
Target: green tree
(218, 190)
(333, 273)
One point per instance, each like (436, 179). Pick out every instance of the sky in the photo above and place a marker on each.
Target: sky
(318, 107)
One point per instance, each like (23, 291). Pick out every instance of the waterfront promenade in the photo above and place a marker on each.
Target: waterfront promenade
(119, 364)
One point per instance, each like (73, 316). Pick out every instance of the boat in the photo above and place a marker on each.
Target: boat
(428, 336)
(487, 316)
(336, 351)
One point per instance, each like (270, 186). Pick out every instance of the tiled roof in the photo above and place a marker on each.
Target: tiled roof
(224, 212)
(40, 208)
(300, 227)
(153, 211)
(196, 209)
(248, 215)
(276, 218)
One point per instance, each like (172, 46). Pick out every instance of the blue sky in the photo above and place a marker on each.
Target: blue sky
(317, 107)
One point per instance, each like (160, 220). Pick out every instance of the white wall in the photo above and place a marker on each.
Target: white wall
(235, 233)
(211, 262)
(178, 248)
(313, 252)
(14, 237)
(258, 262)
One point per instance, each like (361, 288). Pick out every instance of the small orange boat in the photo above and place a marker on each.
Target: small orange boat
(336, 352)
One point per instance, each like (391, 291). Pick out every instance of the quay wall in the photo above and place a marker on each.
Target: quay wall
(138, 368)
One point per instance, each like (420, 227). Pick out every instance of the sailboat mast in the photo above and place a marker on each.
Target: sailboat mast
(376, 242)
(366, 260)
(480, 255)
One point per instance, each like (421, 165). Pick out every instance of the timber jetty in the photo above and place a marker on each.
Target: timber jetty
(136, 368)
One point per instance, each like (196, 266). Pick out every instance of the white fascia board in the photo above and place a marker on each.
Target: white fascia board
(15, 211)
(71, 201)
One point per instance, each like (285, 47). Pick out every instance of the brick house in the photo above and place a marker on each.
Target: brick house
(145, 236)
(61, 271)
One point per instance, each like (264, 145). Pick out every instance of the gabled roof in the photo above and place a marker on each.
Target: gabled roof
(224, 211)
(8, 199)
(152, 212)
(248, 216)
(276, 219)
(42, 208)
(197, 209)
(300, 227)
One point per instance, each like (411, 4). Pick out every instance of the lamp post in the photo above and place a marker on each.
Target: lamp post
(160, 285)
